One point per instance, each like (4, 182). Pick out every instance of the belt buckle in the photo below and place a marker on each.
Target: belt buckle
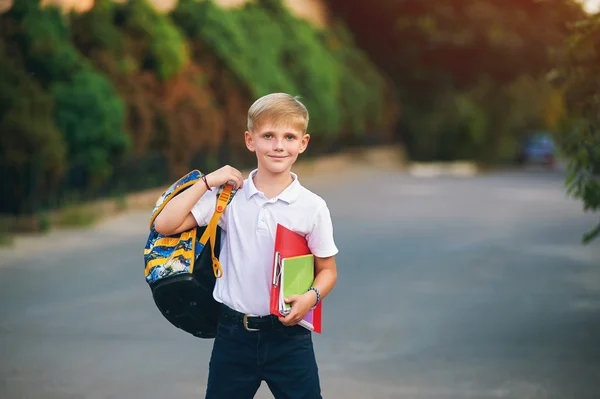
(245, 323)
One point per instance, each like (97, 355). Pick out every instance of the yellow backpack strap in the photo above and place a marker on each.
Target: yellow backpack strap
(211, 229)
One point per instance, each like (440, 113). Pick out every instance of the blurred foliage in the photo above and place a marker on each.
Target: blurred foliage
(247, 40)
(579, 131)
(90, 116)
(159, 44)
(485, 122)
(470, 74)
(6, 237)
(30, 141)
(124, 97)
(169, 108)
(439, 42)
(366, 96)
(270, 50)
(76, 216)
(86, 109)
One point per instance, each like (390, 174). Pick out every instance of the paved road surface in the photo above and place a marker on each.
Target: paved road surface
(449, 288)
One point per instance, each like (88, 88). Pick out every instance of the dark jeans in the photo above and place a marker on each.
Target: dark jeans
(281, 356)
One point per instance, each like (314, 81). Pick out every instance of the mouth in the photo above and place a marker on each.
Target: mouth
(278, 157)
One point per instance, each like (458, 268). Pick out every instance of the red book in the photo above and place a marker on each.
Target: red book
(287, 245)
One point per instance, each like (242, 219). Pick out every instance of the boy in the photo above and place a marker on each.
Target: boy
(251, 345)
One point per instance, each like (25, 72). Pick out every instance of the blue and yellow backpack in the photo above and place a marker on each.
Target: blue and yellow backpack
(181, 269)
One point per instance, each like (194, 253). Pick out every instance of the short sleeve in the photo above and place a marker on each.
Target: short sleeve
(320, 239)
(204, 209)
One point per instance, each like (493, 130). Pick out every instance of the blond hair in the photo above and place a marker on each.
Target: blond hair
(278, 109)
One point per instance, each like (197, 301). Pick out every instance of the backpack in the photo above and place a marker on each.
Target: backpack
(181, 269)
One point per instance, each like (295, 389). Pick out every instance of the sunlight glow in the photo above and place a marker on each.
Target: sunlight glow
(591, 6)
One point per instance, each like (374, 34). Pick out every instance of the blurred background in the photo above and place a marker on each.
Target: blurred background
(103, 98)
(456, 142)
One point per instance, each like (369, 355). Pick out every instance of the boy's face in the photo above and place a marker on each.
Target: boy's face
(276, 147)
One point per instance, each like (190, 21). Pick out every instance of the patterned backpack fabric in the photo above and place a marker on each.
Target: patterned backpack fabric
(181, 269)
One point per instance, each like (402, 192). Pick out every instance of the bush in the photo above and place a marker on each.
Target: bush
(361, 95)
(87, 109)
(32, 149)
(6, 238)
(270, 50)
(169, 108)
(90, 115)
(160, 45)
(76, 216)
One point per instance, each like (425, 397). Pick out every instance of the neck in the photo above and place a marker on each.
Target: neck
(272, 184)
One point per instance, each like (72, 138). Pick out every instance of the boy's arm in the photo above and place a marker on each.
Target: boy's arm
(325, 276)
(322, 245)
(176, 216)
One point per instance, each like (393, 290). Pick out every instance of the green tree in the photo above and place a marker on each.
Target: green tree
(361, 96)
(32, 149)
(459, 67)
(87, 109)
(170, 110)
(160, 45)
(90, 115)
(579, 134)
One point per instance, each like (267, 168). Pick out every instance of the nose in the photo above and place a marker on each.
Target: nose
(278, 144)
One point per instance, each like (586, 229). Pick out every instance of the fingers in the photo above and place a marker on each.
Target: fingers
(237, 178)
(290, 320)
(291, 299)
(224, 175)
(233, 175)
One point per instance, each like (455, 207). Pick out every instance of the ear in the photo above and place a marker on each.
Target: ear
(249, 141)
(304, 143)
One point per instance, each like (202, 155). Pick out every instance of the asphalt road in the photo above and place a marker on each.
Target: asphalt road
(449, 287)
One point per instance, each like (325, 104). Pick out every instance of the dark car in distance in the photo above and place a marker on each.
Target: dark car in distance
(537, 149)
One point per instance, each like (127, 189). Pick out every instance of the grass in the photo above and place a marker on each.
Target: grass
(6, 238)
(76, 216)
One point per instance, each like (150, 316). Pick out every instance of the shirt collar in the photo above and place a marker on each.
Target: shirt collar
(289, 195)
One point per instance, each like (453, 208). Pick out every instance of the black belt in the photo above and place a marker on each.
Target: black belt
(249, 322)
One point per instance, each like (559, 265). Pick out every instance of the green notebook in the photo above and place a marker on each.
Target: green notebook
(297, 276)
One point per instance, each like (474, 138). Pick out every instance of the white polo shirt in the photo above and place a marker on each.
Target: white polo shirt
(249, 224)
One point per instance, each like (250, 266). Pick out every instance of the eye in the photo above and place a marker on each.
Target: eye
(290, 137)
(268, 135)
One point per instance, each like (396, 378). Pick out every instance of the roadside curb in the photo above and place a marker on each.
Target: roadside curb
(436, 169)
(389, 157)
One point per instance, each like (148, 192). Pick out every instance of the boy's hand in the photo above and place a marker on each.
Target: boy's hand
(223, 175)
(301, 304)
